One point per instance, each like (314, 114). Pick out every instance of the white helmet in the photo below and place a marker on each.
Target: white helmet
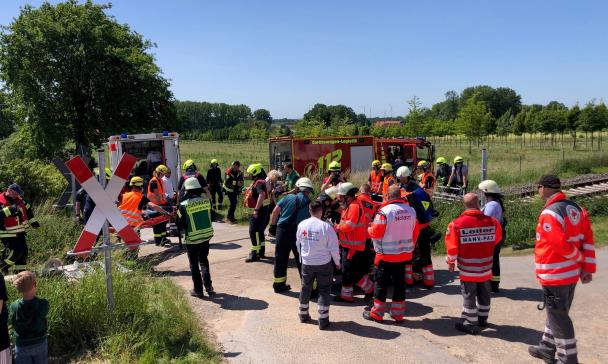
(489, 186)
(304, 182)
(345, 187)
(332, 192)
(403, 171)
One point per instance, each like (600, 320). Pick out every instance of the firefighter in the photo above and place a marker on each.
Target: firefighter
(191, 170)
(334, 176)
(257, 199)
(427, 179)
(388, 180)
(421, 202)
(214, 179)
(459, 177)
(156, 195)
(233, 184)
(564, 253)
(370, 207)
(495, 208)
(470, 241)
(393, 233)
(195, 219)
(376, 178)
(286, 216)
(331, 206)
(443, 172)
(353, 235)
(16, 217)
(133, 202)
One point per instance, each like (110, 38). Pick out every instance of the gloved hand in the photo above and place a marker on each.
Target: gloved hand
(272, 230)
(35, 224)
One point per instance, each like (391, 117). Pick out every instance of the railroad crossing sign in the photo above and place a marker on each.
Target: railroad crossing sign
(105, 209)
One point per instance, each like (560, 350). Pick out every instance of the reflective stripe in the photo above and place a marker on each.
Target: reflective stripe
(475, 260)
(469, 274)
(7, 211)
(471, 268)
(589, 260)
(556, 276)
(565, 351)
(565, 341)
(589, 247)
(452, 258)
(495, 278)
(483, 307)
(394, 247)
(469, 310)
(353, 243)
(280, 280)
(574, 253)
(558, 217)
(574, 239)
(563, 264)
(304, 305)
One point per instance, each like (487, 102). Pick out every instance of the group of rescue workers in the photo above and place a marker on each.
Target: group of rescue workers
(377, 236)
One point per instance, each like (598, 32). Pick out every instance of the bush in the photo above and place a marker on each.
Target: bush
(39, 180)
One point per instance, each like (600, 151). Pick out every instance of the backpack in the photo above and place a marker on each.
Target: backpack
(248, 200)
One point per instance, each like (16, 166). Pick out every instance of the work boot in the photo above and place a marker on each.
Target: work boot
(494, 287)
(281, 287)
(210, 291)
(468, 329)
(166, 242)
(253, 257)
(262, 252)
(197, 294)
(368, 316)
(323, 323)
(304, 318)
(483, 322)
(537, 352)
(368, 297)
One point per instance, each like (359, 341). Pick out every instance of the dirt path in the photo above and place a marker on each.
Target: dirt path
(252, 324)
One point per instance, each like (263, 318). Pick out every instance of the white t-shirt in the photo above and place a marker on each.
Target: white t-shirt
(317, 242)
(493, 209)
(168, 185)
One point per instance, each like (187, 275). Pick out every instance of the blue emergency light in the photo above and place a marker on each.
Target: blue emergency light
(165, 133)
(123, 136)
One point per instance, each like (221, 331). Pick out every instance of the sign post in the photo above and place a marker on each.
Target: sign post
(484, 171)
(107, 249)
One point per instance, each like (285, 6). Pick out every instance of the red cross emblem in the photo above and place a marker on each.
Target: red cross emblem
(304, 233)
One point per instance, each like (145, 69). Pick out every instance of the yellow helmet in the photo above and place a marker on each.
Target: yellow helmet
(162, 169)
(441, 160)
(187, 164)
(458, 159)
(422, 163)
(254, 169)
(136, 181)
(214, 161)
(376, 163)
(387, 167)
(334, 166)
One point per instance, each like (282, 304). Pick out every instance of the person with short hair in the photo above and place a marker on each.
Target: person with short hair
(317, 244)
(28, 318)
(291, 176)
(233, 184)
(214, 179)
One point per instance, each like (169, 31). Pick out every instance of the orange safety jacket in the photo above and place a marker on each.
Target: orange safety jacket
(159, 196)
(370, 207)
(394, 232)
(375, 181)
(352, 226)
(470, 241)
(129, 208)
(12, 224)
(564, 243)
(388, 181)
(428, 181)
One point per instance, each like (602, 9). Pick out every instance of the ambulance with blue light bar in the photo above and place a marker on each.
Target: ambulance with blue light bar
(150, 150)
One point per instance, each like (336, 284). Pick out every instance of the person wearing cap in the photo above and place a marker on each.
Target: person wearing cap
(564, 253)
(427, 179)
(376, 178)
(495, 208)
(233, 184)
(334, 176)
(389, 179)
(191, 170)
(443, 172)
(470, 240)
(286, 216)
(16, 217)
(460, 175)
(291, 177)
(257, 198)
(214, 179)
(352, 233)
(134, 201)
(195, 220)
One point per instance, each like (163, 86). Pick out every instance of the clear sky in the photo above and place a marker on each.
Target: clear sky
(287, 55)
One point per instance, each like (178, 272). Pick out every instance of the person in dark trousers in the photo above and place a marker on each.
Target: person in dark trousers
(443, 172)
(495, 208)
(286, 216)
(257, 219)
(214, 179)
(233, 184)
(317, 244)
(29, 321)
(195, 219)
(5, 342)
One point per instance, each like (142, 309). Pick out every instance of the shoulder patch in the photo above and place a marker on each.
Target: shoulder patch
(547, 227)
(573, 214)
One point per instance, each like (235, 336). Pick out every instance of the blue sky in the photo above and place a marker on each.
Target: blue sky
(371, 55)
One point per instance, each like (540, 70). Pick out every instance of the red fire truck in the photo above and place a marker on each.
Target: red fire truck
(312, 155)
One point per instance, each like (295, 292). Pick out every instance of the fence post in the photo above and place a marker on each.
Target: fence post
(101, 157)
(484, 171)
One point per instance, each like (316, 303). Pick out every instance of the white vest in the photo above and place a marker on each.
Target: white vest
(400, 224)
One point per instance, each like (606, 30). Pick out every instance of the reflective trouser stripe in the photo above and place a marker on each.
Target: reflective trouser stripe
(495, 278)
(397, 310)
(303, 309)
(347, 293)
(377, 310)
(483, 311)
(428, 278)
(409, 274)
(280, 280)
(366, 284)
(323, 311)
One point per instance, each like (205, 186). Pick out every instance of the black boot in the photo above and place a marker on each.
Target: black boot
(494, 287)
(483, 322)
(323, 323)
(262, 252)
(281, 287)
(253, 257)
(304, 318)
(197, 294)
(210, 291)
(537, 352)
(468, 329)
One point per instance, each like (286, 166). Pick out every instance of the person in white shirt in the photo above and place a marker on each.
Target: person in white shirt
(495, 208)
(318, 245)
(168, 186)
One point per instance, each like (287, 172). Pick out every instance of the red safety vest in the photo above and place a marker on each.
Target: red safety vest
(375, 181)
(394, 232)
(352, 228)
(129, 208)
(470, 241)
(564, 243)
(12, 224)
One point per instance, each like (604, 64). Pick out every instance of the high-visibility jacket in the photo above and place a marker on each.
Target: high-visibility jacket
(233, 181)
(375, 181)
(369, 207)
(158, 197)
(15, 215)
(420, 201)
(394, 232)
(129, 208)
(564, 243)
(352, 226)
(428, 181)
(195, 215)
(388, 181)
(470, 241)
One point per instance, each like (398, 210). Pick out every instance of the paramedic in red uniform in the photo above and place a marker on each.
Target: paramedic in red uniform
(564, 253)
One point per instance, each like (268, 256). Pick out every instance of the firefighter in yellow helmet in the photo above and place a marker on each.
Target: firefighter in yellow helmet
(427, 179)
(257, 198)
(460, 175)
(156, 195)
(376, 178)
(443, 171)
(389, 179)
(334, 176)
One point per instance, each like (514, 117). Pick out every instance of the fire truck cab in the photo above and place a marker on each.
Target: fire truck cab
(311, 156)
(150, 150)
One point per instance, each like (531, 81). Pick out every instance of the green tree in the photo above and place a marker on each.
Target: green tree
(572, 123)
(263, 115)
(79, 76)
(7, 117)
(473, 120)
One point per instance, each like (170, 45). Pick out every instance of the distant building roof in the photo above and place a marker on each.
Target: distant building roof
(387, 122)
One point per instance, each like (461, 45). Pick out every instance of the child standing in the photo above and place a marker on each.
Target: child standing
(317, 244)
(28, 317)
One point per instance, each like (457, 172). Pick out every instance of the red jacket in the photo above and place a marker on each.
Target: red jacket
(375, 181)
(470, 241)
(564, 242)
(394, 232)
(352, 228)
(11, 223)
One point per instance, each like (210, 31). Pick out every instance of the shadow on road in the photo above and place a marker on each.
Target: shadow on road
(415, 309)
(371, 332)
(155, 259)
(232, 354)
(522, 294)
(224, 246)
(237, 303)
